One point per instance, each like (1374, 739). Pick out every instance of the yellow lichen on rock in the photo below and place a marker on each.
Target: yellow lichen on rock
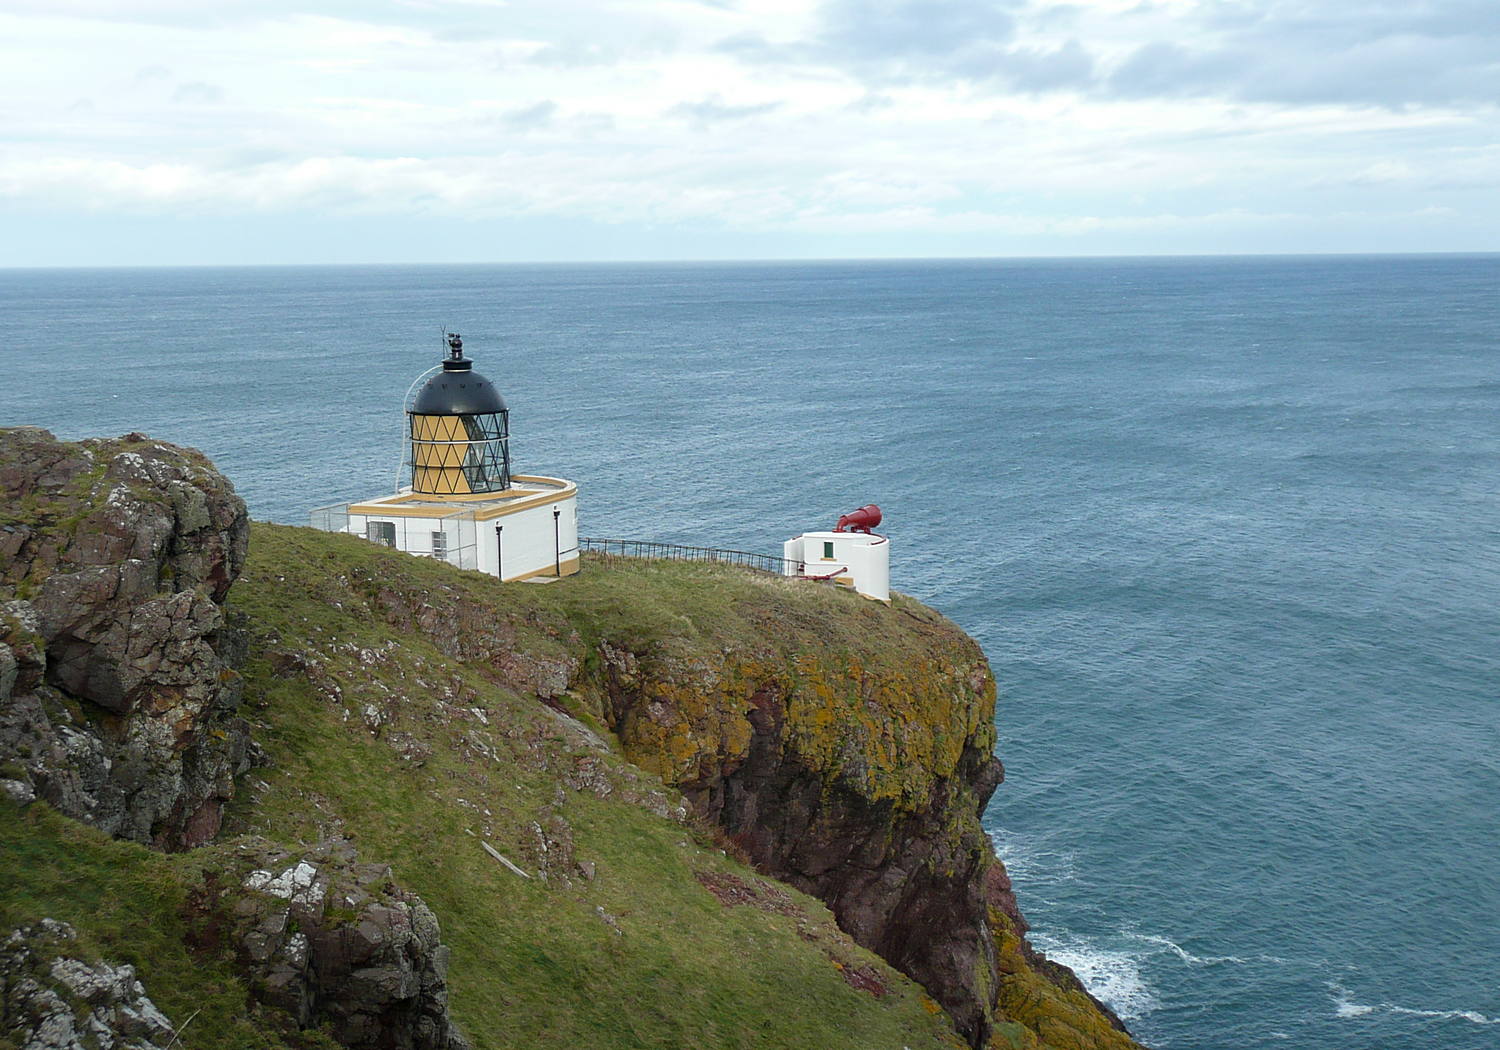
(1062, 1017)
(893, 733)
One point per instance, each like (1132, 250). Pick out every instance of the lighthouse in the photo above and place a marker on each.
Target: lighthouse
(460, 501)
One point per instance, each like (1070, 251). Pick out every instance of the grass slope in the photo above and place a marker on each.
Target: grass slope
(615, 941)
(129, 905)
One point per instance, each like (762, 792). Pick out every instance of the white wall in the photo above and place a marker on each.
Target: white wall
(413, 535)
(529, 545)
(866, 559)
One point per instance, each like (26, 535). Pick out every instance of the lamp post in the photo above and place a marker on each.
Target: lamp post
(556, 542)
(500, 551)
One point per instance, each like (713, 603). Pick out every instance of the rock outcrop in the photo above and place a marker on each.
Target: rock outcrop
(117, 695)
(862, 786)
(51, 999)
(333, 943)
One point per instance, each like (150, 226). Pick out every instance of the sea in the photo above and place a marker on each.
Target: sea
(1227, 528)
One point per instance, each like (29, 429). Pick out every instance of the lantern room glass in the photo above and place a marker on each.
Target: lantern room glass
(461, 454)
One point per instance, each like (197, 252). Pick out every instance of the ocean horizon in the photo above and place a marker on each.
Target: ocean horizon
(834, 260)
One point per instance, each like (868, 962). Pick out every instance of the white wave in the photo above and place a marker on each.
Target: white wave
(1203, 960)
(1114, 977)
(1343, 1006)
(1472, 1016)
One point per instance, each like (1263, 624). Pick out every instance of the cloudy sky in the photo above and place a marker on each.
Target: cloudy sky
(190, 131)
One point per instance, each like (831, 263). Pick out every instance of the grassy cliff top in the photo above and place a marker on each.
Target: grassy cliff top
(889, 695)
(638, 601)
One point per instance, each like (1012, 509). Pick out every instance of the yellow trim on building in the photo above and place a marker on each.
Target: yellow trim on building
(426, 505)
(540, 499)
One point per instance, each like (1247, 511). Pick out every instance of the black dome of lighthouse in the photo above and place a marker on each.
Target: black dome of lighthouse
(459, 430)
(458, 390)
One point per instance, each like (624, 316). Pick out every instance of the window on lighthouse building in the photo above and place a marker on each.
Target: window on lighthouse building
(828, 550)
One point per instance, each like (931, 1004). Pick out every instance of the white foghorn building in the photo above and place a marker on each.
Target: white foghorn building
(463, 505)
(852, 555)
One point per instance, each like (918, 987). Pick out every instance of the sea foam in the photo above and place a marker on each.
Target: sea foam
(1203, 960)
(1113, 976)
(1345, 1007)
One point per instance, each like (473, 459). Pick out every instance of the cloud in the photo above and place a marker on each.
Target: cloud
(1011, 118)
(605, 43)
(1416, 52)
(870, 102)
(1032, 69)
(1437, 52)
(575, 54)
(753, 47)
(898, 33)
(144, 12)
(196, 92)
(1433, 54)
(889, 41)
(528, 118)
(714, 110)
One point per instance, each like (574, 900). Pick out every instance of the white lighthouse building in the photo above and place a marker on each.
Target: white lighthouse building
(852, 555)
(462, 504)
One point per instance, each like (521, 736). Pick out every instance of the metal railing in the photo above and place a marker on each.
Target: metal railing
(650, 549)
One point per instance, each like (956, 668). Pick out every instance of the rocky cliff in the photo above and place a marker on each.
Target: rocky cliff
(857, 770)
(594, 786)
(117, 705)
(856, 774)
